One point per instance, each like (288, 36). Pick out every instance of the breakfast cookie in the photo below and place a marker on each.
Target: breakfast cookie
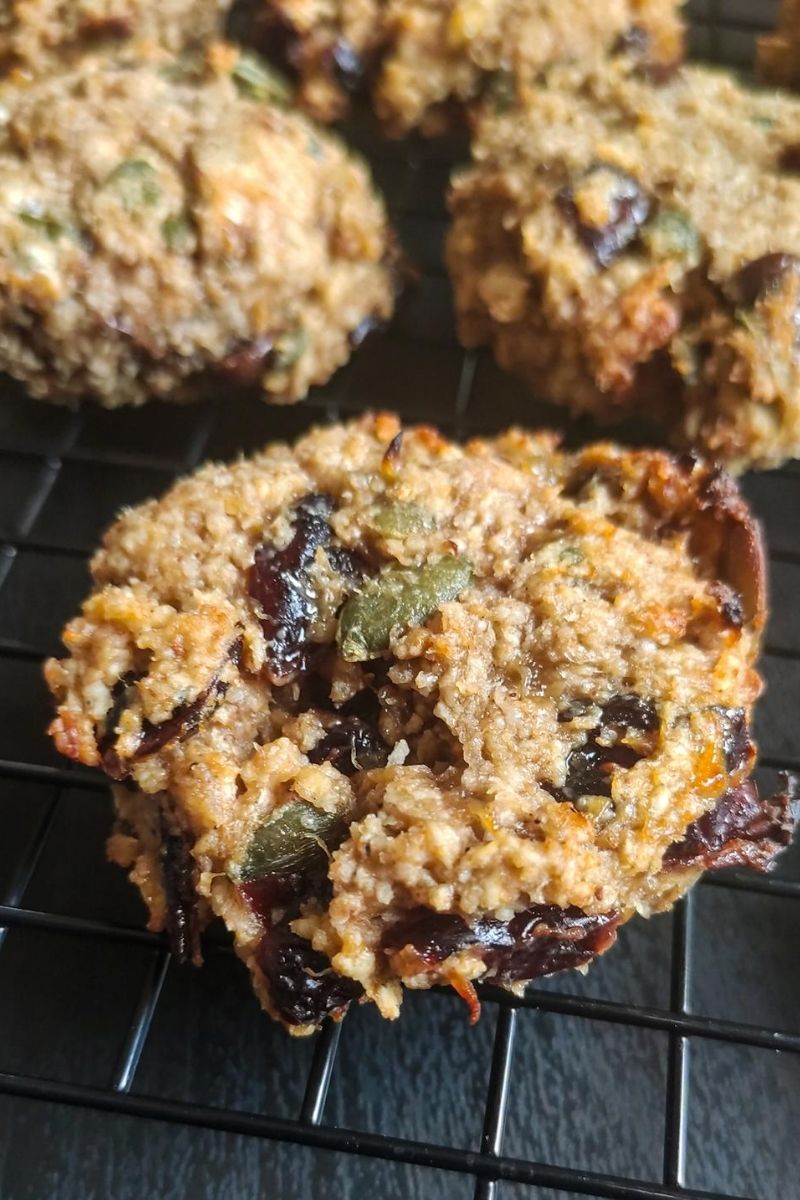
(167, 226)
(403, 712)
(631, 249)
(37, 36)
(417, 60)
(779, 52)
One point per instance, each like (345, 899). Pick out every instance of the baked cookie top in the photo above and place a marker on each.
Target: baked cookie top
(485, 677)
(417, 60)
(38, 36)
(656, 231)
(162, 221)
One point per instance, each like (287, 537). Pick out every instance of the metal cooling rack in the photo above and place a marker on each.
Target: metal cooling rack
(690, 1025)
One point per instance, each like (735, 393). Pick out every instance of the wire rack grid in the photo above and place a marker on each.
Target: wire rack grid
(94, 1018)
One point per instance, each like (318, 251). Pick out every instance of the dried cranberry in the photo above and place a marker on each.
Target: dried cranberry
(590, 766)
(303, 987)
(351, 745)
(179, 875)
(743, 830)
(279, 584)
(283, 890)
(538, 941)
(763, 275)
(435, 936)
(628, 208)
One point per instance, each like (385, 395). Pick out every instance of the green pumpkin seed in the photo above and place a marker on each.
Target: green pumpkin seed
(399, 596)
(44, 223)
(135, 181)
(293, 837)
(259, 81)
(399, 519)
(670, 234)
(178, 232)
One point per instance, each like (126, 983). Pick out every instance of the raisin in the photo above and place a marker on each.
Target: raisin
(635, 41)
(179, 874)
(590, 766)
(347, 66)
(632, 712)
(152, 738)
(303, 987)
(364, 329)
(789, 158)
(743, 830)
(738, 749)
(627, 205)
(248, 361)
(122, 697)
(762, 276)
(390, 462)
(539, 941)
(351, 745)
(284, 891)
(280, 586)
(349, 564)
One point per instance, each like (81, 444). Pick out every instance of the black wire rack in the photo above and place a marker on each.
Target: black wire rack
(667, 1074)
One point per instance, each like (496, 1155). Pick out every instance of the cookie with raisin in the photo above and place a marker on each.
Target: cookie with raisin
(174, 227)
(421, 64)
(634, 250)
(404, 712)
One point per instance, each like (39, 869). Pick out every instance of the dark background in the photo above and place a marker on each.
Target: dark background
(658, 1068)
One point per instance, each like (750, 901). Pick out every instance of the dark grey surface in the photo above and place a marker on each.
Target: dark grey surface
(589, 1094)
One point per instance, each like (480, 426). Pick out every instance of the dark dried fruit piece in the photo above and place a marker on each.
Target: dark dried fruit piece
(350, 566)
(538, 941)
(280, 586)
(738, 748)
(590, 767)
(627, 207)
(762, 276)
(391, 458)
(364, 329)
(247, 362)
(179, 876)
(351, 745)
(152, 738)
(347, 66)
(743, 830)
(122, 696)
(303, 987)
